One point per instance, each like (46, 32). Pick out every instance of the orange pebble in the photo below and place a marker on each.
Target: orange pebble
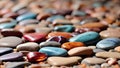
(70, 45)
(63, 34)
(117, 49)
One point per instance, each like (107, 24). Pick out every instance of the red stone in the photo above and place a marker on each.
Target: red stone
(36, 57)
(35, 37)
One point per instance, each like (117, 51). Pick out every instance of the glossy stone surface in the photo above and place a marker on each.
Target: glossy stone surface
(35, 37)
(53, 51)
(12, 57)
(108, 43)
(36, 56)
(10, 41)
(87, 38)
(26, 16)
(58, 39)
(55, 17)
(4, 50)
(61, 61)
(70, 45)
(50, 44)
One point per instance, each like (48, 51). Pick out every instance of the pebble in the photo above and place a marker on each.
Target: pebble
(50, 44)
(11, 32)
(64, 34)
(108, 55)
(53, 51)
(10, 41)
(16, 64)
(86, 38)
(29, 46)
(80, 51)
(93, 61)
(4, 50)
(12, 57)
(108, 43)
(117, 48)
(43, 16)
(70, 45)
(61, 61)
(64, 28)
(98, 50)
(35, 37)
(45, 30)
(36, 57)
(27, 22)
(111, 61)
(55, 17)
(105, 65)
(26, 16)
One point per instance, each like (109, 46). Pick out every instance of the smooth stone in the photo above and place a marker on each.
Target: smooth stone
(53, 51)
(63, 34)
(12, 57)
(105, 65)
(62, 61)
(70, 45)
(8, 25)
(26, 16)
(16, 64)
(29, 46)
(110, 32)
(80, 51)
(45, 30)
(64, 28)
(87, 38)
(39, 65)
(79, 13)
(50, 43)
(11, 32)
(117, 48)
(111, 61)
(92, 46)
(108, 43)
(11, 15)
(93, 61)
(27, 22)
(98, 50)
(108, 55)
(34, 37)
(10, 41)
(118, 62)
(43, 16)
(4, 50)
(55, 17)
(58, 39)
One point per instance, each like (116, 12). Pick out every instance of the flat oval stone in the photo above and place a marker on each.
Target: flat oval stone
(64, 28)
(50, 43)
(36, 56)
(53, 51)
(93, 61)
(113, 32)
(98, 50)
(10, 41)
(29, 46)
(35, 37)
(117, 48)
(70, 45)
(55, 17)
(64, 34)
(11, 15)
(45, 30)
(16, 64)
(108, 55)
(27, 22)
(58, 61)
(12, 57)
(11, 32)
(108, 43)
(79, 13)
(4, 50)
(26, 16)
(87, 38)
(43, 16)
(80, 51)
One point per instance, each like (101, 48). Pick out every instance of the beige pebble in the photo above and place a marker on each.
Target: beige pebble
(108, 55)
(111, 61)
(80, 51)
(29, 46)
(61, 61)
(93, 60)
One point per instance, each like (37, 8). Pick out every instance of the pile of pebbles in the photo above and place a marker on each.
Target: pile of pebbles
(59, 33)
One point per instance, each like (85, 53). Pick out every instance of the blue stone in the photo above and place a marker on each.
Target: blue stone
(64, 28)
(5, 50)
(53, 51)
(87, 37)
(26, 16)
(108, 43)
(8, 25)
(55, 17)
